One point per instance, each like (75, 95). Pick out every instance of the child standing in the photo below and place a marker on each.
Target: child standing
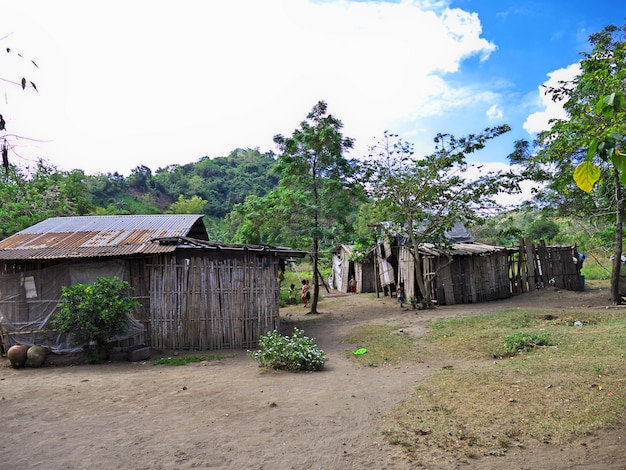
(305, 293)
(352, 284)
(400, 294)
(292, 294)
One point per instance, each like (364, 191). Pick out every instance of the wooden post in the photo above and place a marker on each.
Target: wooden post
(376, 278)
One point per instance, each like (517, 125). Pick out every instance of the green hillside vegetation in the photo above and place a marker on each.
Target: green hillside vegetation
(222, 182)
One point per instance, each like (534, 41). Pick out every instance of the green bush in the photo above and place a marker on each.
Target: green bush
(294, 353)
(95, 313)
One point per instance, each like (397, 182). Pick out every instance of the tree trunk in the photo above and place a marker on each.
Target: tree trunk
(316, 244)
(424, 287)
(419, 276)
(617, 254)
(316, 289)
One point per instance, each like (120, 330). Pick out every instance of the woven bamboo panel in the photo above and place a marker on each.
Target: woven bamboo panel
(213, 302)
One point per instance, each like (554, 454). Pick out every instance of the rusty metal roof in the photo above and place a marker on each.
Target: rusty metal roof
(118, 236)
(95, 236)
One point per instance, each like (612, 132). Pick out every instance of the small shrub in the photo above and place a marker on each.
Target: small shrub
(294, 353)
(95, 313)
(521, 342)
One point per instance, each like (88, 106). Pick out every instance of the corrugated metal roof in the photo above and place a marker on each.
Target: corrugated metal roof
(117, 236)
(461, 249)
(94, 236)
(457, 234)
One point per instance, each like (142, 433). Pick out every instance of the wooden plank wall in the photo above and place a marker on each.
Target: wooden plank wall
(385, 270)
(470, 278)
(364, 274)
(365, 277)
(406, 271)
(212, 302)
(498, 275)
(538, 266)
(344, 281)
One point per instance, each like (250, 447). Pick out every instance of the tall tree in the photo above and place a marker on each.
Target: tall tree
(426, 196)
(313, 168)
(588, 146)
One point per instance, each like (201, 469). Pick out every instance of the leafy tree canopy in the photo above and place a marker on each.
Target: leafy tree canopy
(195, 205)
(95, 312)
(427, 196)
(320, 181)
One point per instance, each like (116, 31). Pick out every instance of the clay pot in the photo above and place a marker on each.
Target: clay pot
(17, 354)
(36, 355)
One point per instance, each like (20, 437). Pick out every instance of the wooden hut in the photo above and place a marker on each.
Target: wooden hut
(467, 273)
(194, 294)
(462, 272)
(344, 269)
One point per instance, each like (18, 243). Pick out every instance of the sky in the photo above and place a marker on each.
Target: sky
(149, 82)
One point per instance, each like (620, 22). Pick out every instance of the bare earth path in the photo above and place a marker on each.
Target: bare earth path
(229, 414)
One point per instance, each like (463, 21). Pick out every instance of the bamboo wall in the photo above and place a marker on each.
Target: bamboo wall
(215, 301)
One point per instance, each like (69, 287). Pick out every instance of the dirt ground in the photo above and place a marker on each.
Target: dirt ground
(229, 414)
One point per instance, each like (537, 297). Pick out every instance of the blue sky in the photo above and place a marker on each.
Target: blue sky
(129, 83)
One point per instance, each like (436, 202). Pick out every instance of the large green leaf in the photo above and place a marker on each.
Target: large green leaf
(610, 104)
(619, 161)
(586, 175)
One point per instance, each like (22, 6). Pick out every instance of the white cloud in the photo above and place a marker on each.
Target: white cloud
(540, 121)
(155, 82)
(506, 200)
(494, 113)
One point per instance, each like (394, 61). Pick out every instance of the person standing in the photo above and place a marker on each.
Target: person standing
(305, 292)
(352, 284)
(292, 294)
(400, 294)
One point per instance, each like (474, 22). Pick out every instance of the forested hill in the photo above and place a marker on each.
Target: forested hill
(222, 182)
(211, 186)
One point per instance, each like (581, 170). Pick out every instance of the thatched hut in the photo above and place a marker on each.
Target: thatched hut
(195, 294)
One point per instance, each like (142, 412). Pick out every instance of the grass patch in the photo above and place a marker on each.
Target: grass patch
(183, 360)
(550, 394)
(521, 341)
(385, 344)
